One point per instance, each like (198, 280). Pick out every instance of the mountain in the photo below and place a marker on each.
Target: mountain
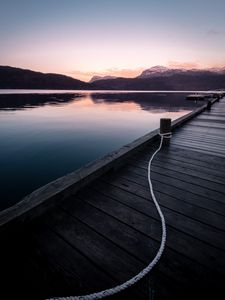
(162, 78)
(15, 78)
(155, 78)
(95, 78)
(217, 70)
(159, 71)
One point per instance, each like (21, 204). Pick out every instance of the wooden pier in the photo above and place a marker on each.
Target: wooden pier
(98, 227)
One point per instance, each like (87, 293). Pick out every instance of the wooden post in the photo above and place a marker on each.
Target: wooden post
(165, 127)
(209, 104)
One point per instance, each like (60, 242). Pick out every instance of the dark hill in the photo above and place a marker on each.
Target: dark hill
(182, 82)
(15, 78)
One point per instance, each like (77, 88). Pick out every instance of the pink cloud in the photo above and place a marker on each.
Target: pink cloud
(87, 75)
(124, 72)
(183, 65)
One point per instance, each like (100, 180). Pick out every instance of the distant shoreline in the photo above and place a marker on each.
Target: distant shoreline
(60, 91)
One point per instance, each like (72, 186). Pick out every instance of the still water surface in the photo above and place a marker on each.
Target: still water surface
(45, 136)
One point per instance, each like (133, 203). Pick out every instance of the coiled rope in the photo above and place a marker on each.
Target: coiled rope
(145, 271)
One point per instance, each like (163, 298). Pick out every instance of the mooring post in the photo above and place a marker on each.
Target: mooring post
(165, 127)
(209, 104)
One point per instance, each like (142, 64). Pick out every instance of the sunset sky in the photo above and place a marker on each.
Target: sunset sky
(82, 38)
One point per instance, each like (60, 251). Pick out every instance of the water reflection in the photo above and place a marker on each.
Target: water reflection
(23, 101)
(155, 102)
(148, 101)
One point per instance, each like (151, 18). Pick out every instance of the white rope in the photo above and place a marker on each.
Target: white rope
(145, 271)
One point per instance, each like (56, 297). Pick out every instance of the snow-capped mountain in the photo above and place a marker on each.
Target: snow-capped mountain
(160, 71)
(217, 70)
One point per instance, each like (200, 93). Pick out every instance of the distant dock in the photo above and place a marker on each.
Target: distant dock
(202, 97)
(97, 227)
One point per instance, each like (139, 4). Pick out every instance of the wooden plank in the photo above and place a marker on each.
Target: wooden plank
(204, 159)
(209, 117)
(185, 161)
(201, 140)
(93, 246)
(210, 120)
(111, 228)
(185, 224)
(211, 161)
(197, 149)
(135, 172)
(205, 125)
(194, 128)
(140, 222)
(175, 172)
(189, 197)
(200, 145)
(184, 166)
(188, 208)
(217, 133)
(44, 266)
(206, 138)
(65, 260)
(212, 219)
(205, 141)
(198, 213)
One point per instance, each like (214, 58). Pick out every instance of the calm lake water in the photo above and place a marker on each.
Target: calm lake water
(47, 135)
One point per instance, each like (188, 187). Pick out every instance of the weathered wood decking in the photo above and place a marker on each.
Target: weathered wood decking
(109, 230)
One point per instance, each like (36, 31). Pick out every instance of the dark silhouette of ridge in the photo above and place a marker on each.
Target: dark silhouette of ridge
(151, 79)
(16, 78)
(175, 82)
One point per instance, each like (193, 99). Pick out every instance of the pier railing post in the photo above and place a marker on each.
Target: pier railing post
(209, 104)
(165, 127)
